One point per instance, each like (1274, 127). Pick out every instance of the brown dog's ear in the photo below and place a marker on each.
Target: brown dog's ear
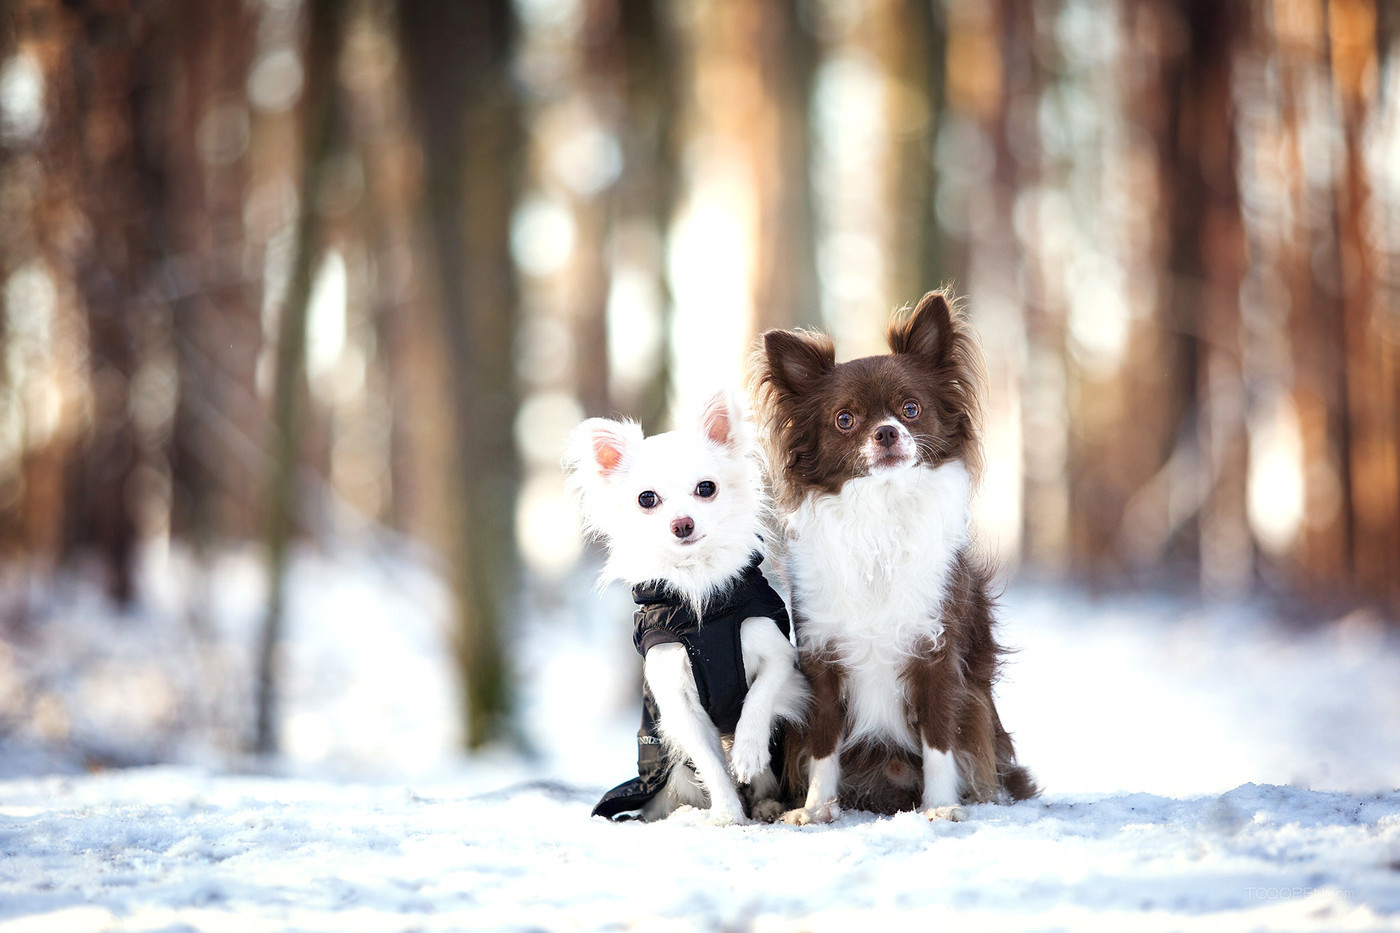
(927, 331)
(796, 360)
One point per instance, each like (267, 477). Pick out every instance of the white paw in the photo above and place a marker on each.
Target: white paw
(953, 814)
(749, 758)
(821, 813)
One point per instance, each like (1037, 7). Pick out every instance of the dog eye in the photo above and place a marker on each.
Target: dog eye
(845, 420)
(705, 489)
(911, 409)
(648, 500)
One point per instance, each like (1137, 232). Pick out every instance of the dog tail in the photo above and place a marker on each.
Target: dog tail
(1014, 779)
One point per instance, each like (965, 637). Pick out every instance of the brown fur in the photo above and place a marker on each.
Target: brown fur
(799, 389)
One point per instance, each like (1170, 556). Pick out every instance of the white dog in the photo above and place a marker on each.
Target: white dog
(680, 514)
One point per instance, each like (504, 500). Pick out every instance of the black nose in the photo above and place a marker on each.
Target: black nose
(886, 435)
(682, 527)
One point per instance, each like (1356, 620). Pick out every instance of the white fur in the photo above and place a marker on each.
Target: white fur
(683, 789)
(904, 447)
(870, 568)
(823, 786)
(688, 730)
(940, 779)
(610, 464)
(776, 692)
(640, 544)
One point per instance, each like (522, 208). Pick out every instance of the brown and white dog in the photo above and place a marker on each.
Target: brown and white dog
(873, 463)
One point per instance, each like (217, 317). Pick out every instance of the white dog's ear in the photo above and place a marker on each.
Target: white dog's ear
(722, 421)
(599, 448)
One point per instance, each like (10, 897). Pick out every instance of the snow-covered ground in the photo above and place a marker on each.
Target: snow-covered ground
(1206, 768)
(163, 849)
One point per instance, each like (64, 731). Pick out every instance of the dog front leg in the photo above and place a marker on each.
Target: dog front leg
(822, 738)
(776, 692)
(687, 728)
(936, 686)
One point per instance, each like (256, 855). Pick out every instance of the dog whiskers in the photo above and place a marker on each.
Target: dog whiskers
(931, 450)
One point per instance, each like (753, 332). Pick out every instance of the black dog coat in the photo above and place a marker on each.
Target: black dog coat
(716, 659)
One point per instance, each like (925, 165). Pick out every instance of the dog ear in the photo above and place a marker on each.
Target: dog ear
(927, 331)
(598, 447)
(796, 359)
(722, 421)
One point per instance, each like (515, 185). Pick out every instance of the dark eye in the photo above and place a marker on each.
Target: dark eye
(705, 489)
(911, 409)
(845, 420)
(648, 500)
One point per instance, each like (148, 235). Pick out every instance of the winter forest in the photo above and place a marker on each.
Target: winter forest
(300, 298)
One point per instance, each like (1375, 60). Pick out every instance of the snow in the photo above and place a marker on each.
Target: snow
(162, 848)
(1206, 767)
(366, 686)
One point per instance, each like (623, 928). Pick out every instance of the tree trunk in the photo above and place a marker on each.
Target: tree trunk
(785, 287)
(914, 36)
(1204, 275)
(462, 94)
(1369, 379)
(325, 24)
(117, 69)
(215, 323)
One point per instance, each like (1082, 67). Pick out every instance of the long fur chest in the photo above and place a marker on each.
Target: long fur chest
(870, 567)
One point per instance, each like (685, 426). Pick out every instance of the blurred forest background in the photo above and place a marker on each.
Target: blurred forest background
(302, 270)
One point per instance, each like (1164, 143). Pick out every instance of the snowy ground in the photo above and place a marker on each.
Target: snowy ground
(1205, 769)
(160, 849)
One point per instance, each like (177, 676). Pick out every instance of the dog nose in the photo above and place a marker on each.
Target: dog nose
(682, 527)
(886, 435)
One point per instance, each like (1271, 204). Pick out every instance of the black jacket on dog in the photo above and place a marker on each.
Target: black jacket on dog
(716, 659)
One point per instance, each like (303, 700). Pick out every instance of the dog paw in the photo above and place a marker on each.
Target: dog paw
(749, 759)
(954, 814)
(821, 813)
(767, 810)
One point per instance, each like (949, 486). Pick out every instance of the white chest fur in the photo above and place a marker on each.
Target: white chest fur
(870, 567)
